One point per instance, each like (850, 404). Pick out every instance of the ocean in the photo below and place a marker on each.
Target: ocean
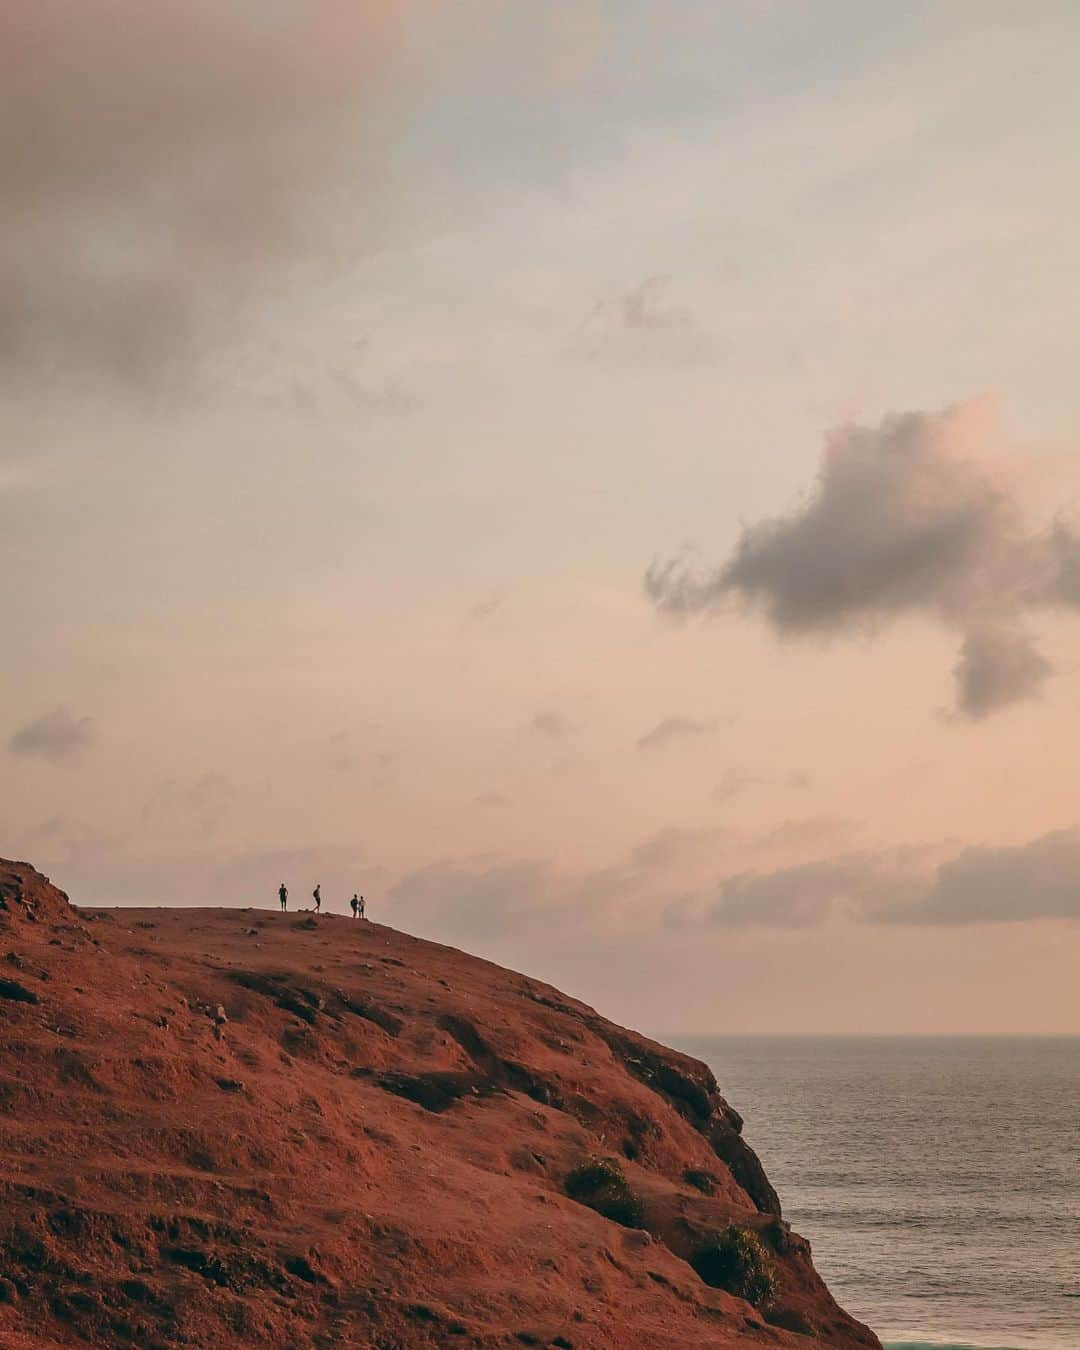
(937, 1179)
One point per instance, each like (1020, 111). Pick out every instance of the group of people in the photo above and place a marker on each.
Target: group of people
(356, 904)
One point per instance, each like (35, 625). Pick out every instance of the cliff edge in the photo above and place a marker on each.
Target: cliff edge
(229, 1127)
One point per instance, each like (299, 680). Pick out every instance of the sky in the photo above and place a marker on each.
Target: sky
(600, 479)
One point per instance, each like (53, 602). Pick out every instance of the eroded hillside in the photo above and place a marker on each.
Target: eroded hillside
(227, 1127)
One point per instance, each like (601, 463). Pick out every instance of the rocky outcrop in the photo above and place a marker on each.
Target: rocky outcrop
(229, 1127)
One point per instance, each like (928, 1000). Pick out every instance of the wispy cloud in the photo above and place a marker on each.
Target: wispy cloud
(465, 902)
(734, 782)
(675, 846)
(643, 325)
(672, 729)
(198, 807)
(56, 736)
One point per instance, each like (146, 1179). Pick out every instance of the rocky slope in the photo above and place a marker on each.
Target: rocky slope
(231, 1127)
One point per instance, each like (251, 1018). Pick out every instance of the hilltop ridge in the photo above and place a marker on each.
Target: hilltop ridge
(237, 1126)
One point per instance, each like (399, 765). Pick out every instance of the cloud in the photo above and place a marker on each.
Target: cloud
(676, 846)
(199, 807)
(997, 666)
(56, 736)
(459, 903)
(913, 886)
(733, 782)
(160, 161)
(361, 758)
(641, 325)
(809, 894)
(1037, 880)
(551, 724)
(904, 519)
(104, 870)
(1064, 569)
(672, 729)
(805, 833)
(484, 609)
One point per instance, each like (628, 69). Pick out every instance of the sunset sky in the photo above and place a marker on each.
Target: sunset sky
(602, 479)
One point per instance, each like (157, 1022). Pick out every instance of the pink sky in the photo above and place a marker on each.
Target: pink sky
(602, 483)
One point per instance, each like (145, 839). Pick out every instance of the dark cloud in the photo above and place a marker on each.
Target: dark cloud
(1037, 880)
(56, 736)
(158, 161)
(997, 666)
(672, 729)
(903, 519)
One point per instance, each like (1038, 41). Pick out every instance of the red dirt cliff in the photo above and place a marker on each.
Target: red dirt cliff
(241, 1127)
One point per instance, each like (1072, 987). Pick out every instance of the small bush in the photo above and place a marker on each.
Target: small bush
(600, 1184)
(736, 1260)
(705, 1182)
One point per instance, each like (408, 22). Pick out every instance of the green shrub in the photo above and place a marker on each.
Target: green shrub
(736, 1260)
(600, 1184)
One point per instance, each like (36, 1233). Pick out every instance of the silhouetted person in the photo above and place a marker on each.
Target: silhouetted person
(316, 895)
(354, 905)
(283, 896)
(360, 910)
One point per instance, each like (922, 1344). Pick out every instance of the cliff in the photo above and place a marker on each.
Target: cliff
(229, 1127)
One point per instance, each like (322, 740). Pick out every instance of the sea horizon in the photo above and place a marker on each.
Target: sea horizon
(673, 1036)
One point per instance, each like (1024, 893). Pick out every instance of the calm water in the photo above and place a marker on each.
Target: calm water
(937, 1180)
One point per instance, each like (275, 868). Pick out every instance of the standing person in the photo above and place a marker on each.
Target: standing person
(361, 908)
(316, 895)
(283, 896)
(354, 905)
